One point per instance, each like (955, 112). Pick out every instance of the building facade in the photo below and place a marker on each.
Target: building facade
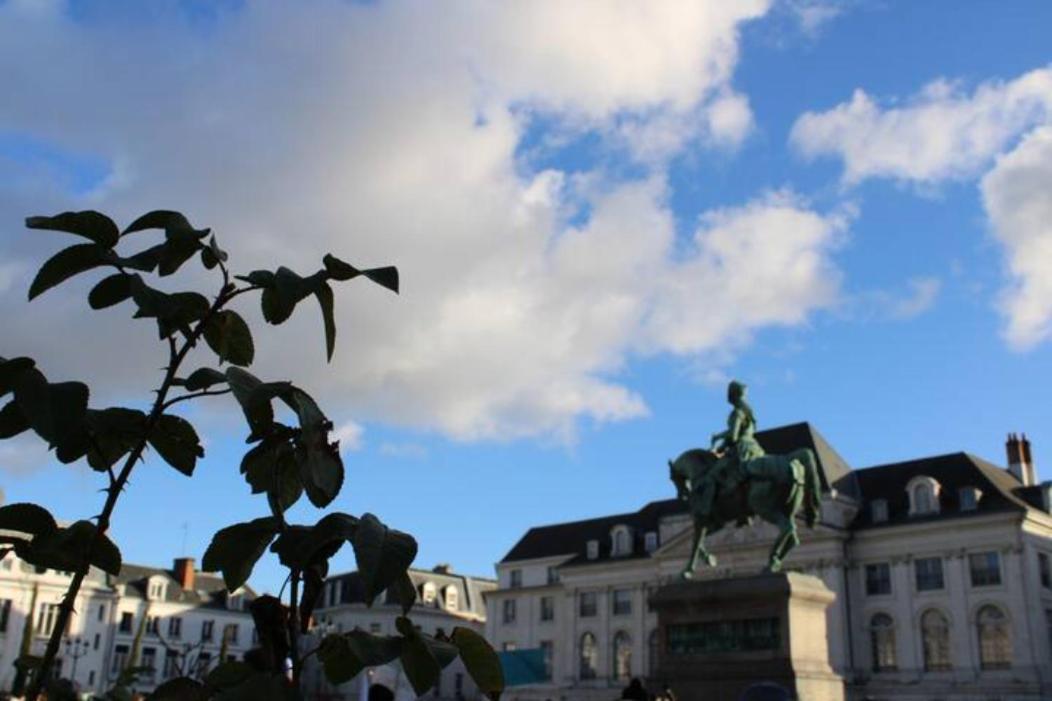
(185, 622)
(445, 600)
(940, 566)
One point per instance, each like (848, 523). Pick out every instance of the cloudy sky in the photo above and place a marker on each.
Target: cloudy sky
(601, 211)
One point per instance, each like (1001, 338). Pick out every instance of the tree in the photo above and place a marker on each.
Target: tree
(284, 461)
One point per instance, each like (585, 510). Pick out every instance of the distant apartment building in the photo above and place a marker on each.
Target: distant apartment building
(942, 568)
(445, 600)
(184, 617)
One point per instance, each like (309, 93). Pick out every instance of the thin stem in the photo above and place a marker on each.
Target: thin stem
(116, 487)
(195, 395)
(294, 628)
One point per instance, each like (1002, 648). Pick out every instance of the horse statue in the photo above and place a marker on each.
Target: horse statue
(776, 488)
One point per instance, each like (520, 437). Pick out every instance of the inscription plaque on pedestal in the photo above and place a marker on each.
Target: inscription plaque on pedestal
(718, 638)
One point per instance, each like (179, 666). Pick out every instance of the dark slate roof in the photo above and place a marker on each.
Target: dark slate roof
(952, 472)
(572, 538)
(469, 589)
(209, 589)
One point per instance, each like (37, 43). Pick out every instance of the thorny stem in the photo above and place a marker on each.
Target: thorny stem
(195, 395)
(117, 486)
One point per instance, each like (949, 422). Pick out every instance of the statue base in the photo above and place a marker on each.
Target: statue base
(720, 637)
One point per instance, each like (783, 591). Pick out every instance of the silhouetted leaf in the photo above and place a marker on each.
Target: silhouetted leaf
(280, 298)
(175, 439)
(12, 420)
(235, 549)
(255, 398)
(344, 656)
(212, 254)
(383, 554)
(418, 662)
(227, 674)
(385, 277)
(89, 224)
(55, 411)
(203, 378)
(164, 219)
(27, 518)
(113, 433)
(259, 278)
(64, 548)
(313, 589)
(271, 467)
(339, 270)
(65, 264)
(481, 661)
(146, 260)
(271, 619)
(10, 369)
(228, 335)
(325, 301)
(261, 686)
(404, 592)
(180, 689)
(109, 291)
(177, 311)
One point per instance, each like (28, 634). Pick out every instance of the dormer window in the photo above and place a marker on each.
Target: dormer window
(650, 541)
(593, 550)
(923, 492)
(878, 510)
(452, 598)
(620, 541)
(155, 590)
(236, 602)
(428, 593)
(969, 498)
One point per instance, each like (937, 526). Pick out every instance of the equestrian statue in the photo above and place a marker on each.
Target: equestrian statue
(736, 480)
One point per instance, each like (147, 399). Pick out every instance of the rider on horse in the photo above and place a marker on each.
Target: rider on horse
(736, 447)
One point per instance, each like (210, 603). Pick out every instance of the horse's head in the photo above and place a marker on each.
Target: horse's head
(687, 470)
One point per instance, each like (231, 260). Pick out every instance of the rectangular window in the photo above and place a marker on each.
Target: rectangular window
(547, 649)
(985, 569)
(149, 660)
(516, 578)
(1045, 570)
(102, 611)
(5, 614)
(928, 573)
(120, 658)
(375, 628)
(553, 575)
(46, 619)
(152, 624)
(878, 579)
(204, 661)
(175, 628)
(650, 541)
(588, 604)
(127, 618)
(967, 498)
(171, 664)
(593, 549)
(547, 608)
(878, 510)
(509, 610)
(95, 644)
(230, 633)
(206, 630)
(622, 602)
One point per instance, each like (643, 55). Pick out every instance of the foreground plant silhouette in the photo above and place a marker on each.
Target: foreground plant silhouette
(284, 462)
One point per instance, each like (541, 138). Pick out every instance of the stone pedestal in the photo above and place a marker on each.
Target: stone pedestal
(719, 637)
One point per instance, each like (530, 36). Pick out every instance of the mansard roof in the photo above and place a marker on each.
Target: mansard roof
(953, 472)
(469, 588)
(572, 538)
(209, 589)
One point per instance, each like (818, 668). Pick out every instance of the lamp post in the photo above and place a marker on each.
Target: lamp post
(76, 648)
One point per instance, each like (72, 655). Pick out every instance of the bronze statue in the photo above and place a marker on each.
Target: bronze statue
(737, 480)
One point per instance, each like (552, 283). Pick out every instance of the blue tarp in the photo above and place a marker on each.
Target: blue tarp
(523, 667)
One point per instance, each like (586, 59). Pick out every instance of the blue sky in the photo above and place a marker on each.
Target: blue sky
(600, 215)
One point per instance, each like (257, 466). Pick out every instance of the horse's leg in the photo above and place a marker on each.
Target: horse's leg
(787, 539)
(698, 548)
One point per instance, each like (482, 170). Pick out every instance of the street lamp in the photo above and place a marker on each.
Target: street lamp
(76, 648)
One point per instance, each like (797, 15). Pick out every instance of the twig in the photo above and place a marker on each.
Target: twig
(195, 395)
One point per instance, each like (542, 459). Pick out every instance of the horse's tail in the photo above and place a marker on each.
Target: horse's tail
(812, 488)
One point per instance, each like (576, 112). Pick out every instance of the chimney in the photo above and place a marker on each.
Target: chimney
(1020, 464)
(184, 572)
(442, 568)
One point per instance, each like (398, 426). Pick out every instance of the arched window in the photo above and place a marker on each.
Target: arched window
(995, 641)
(428, 593)
(622, 655)
(935, 639)
(882, 639)
(652, 651)
(589, 661)
(922, 499)
(923, 492)
(452, 598)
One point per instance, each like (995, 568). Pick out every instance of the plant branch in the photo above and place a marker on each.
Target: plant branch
(195, 395)
(116, 487)
(294, 628)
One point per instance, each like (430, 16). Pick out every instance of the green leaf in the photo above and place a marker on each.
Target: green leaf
(228, 335)
(404, 592)
(55, 411)
(175, 440)
(325, 301)
(251, 394)
(235, 549)
(383, 554)
(385, 277)
(64, 548)
(164, 219)
(299, 546)
(110, 291)
(271, 467)
(180, 689)
(443, 652)
(12, 420)
(418, 662)
(89, 224)
(281, 297)
(344, 656)
(481, 661)
(228, 674)
(27, 518)
(65, 264)
(203, 378)
(113, 432)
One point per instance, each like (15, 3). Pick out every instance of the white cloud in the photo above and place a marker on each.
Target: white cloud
(942, 132)
(349, 434)
(812, 15)
(388, 134)
(1018, 200)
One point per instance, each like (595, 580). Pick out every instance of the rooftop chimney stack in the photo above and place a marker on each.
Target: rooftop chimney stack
(184, 572)
(1020, 464)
